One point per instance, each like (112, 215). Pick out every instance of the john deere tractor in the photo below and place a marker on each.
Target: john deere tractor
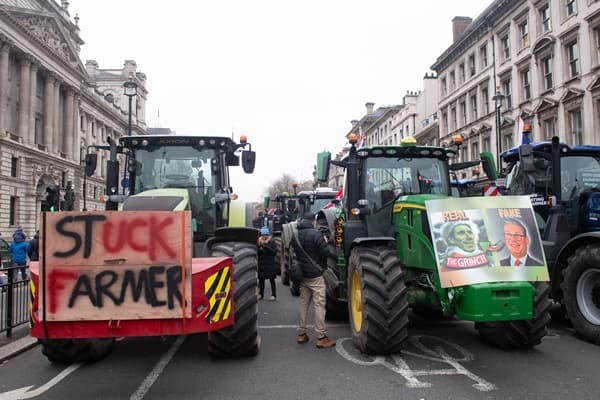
(162, 259)
(564, 185)
(387, 259)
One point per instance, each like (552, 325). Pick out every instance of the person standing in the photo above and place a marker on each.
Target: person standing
(312, 286)
(33, 247)
(18, 253)
(266, 263)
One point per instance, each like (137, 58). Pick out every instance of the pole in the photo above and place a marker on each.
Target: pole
(498, 137)
(129, 125)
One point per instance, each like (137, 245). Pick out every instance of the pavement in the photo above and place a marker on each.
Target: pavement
(19, 342)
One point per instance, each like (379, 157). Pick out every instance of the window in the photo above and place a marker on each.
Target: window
(545, 18)
(474, 106)
(570, 8)
(474, 151)
(486, 100)
(483, 55)
(505, 45)
(461, 69)
(548, 128)
(445, 122)
(597, 38)
(14, 163)
(524, 32)
(463, 111)
(547, 73)
(507, 93)
(452, 80)
(526, 84)
(38, 128)
(472, 65)
(453, 116)
(444, 87)
(573, 59)
(575, 128)
(508, 141)
(486, 144)
(12, 213)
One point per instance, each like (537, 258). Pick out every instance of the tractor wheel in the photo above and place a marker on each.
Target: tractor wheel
(581, 292)
(278, 252)
(336, 310)
(520, 334)
(240, 339)
(285, 256)
(378, 303)
(66, 351)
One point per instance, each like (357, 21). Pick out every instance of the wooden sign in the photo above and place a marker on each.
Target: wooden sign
(116, 265)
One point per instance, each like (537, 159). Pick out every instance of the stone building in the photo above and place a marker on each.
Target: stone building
(52, 107)
(537, 60)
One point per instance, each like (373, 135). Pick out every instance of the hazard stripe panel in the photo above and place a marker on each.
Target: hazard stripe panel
(218, 292)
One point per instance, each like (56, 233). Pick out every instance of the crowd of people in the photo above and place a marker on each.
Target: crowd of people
(14, 256)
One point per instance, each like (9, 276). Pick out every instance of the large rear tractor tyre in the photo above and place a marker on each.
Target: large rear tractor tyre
(378, 303)
(67, 351)
(294, 286)
(240, 339)
(278, 252)
(521, 334)
(285, 256)
(336, 309)
(581, 292)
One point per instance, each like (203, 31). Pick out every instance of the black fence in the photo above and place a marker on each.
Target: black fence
(14, 298)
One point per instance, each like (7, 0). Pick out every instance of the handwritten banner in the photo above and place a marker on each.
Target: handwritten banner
(115, 265)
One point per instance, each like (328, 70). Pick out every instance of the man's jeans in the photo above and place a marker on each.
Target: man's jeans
(312, 290)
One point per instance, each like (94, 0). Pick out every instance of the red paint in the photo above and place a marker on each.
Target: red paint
(129, 230)
(55, 285)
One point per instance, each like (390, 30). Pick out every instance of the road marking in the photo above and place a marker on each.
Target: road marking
(296, 326)
(24, 393)
(157, 370)
(397, 364)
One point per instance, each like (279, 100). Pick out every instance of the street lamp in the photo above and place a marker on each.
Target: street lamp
(130, 90)
(498, 98)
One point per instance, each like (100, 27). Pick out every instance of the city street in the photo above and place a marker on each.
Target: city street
(443, 359)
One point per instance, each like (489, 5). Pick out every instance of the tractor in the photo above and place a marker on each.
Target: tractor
(163, 258)
(387, 255)
(563, 183)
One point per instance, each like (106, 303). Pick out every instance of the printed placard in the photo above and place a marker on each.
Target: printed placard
(486, 239)
(116, 265)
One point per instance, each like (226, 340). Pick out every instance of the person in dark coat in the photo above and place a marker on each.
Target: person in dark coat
(266, 263)
(312, 286)
(33, 248)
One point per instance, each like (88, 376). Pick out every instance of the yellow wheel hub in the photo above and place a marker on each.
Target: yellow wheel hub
(356, 298)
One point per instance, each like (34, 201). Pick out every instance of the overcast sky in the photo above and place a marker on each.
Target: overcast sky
(288, 75)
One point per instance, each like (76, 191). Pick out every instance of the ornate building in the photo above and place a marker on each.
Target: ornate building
(52, 107)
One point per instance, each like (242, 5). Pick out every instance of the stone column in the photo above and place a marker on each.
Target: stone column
(32, 102)
(24, 99)
(68, 133)
(57, 136)
(49, 111)
(4, 49)
(76, 128)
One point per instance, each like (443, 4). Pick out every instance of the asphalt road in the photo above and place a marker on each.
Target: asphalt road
(443, 359)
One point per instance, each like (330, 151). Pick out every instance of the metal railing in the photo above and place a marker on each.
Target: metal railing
(14, 298)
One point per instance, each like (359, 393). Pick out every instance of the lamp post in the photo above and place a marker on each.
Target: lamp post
(130, 90)
(498, 98)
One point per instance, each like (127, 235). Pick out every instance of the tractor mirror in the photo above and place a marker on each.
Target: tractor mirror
(489, 167)
(526, 156)
(323, 159)
(91, 159)
(248, 161)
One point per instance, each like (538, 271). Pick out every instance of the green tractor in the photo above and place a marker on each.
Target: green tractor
(564, 185)
(387, 259)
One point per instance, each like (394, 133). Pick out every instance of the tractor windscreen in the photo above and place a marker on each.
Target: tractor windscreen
(389, 178)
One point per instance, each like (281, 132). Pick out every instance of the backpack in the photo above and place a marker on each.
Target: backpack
(296, 272)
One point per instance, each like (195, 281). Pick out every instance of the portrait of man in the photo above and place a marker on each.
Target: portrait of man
(461, 239)
(516, 238)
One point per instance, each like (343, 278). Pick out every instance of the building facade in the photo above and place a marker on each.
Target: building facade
(52, 107)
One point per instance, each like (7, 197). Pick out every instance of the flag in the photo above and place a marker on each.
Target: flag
(361, 137)
(519, 135)
(337, 197)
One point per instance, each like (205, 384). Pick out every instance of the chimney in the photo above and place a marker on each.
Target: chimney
(369, 106)
(459, 25)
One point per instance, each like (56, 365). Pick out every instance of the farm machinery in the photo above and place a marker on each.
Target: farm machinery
(161, 260)
(389, 248)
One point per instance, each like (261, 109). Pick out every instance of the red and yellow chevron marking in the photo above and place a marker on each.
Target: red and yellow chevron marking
(31, 300)
(218, 292)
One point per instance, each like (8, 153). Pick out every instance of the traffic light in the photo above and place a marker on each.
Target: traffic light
(69, 197)
(52, 197)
